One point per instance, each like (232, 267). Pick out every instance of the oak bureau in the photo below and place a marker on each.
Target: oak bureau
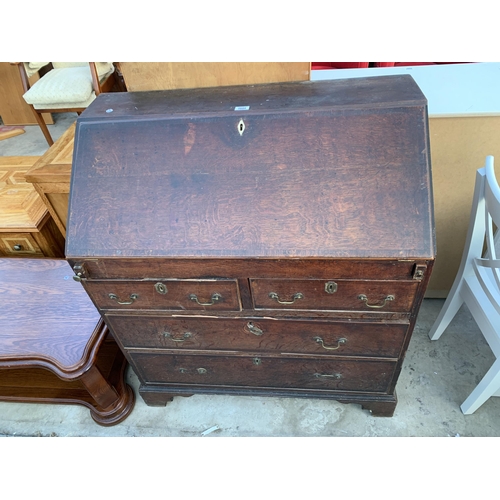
(271, 239)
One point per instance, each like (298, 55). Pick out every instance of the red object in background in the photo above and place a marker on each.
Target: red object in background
(348, 65)
(338, 65)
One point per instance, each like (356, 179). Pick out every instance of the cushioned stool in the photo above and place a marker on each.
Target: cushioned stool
(54, 346)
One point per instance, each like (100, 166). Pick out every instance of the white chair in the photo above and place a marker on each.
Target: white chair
(478, 282)
(65, 87)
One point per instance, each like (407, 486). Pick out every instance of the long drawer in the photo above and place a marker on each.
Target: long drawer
(222, 295)
(284, 372)
(353, 295)
(260, 335)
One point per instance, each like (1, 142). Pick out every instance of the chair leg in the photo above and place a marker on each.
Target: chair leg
(43, 126)
(447, 313)
(488, 386)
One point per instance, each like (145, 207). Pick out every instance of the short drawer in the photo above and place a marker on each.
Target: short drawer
(352, 295)
(282, 372)
(260, 335)
(19, 245)
(165, 294)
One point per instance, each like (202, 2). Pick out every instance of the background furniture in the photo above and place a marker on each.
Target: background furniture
(13, 108)
(50, 176)
(68, 87)
(54, 347)
(26, 227)
(262, 240)
(141, 76)
(478, 281)
(464, 127)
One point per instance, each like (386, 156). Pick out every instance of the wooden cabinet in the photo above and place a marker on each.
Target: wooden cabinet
(26, 227)
(266, 240)
(51, 174)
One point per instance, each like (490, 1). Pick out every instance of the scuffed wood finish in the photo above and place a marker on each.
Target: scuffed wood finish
(262, 335)
(54, 346)
(269, 192)
(176, 294)
(282, 372)
(144, 76)
(310, 201)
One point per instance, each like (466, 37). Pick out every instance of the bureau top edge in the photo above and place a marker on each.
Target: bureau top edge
(397, 90)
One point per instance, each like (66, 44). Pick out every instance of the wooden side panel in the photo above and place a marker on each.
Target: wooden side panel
(13, 108)
(163, 75)
(459, 147)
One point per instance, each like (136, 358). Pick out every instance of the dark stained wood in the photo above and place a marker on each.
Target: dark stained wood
(54, 346)
(319, 268)
(277, 294)
(306, 206)
(280, 372)
(272, 191)
(177, 294)
(260, 335)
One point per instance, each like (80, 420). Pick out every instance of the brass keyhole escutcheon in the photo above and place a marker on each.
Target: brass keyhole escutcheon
(161, 288)
(254, 329)
(257, 361)
(241, 127)
(330, 287)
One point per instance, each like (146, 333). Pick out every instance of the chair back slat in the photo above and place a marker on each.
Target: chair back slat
(492, 221)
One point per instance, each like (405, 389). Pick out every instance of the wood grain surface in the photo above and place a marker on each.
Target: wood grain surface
(319, 170)
(38, 320)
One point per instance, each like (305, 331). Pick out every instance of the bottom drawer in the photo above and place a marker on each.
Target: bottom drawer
(271, 372)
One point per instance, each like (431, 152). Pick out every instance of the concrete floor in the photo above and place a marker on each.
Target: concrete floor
(436, 378)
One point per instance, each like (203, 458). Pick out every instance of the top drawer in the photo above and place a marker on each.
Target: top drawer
(165, 294)
(350, 295)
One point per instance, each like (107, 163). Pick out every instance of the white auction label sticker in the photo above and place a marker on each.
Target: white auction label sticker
(242, 108)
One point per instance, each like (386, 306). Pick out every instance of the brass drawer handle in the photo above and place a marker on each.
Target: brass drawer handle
(201, 371)
(133, 296)
(364, 298)
(184, 337)
(296, 296)
(335, 376)
(216, 297)
(340, 342)
(254, 329)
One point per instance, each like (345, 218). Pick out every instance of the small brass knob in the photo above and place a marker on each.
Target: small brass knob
(18, 248)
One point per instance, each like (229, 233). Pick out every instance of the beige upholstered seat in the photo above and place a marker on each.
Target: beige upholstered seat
(66, 87)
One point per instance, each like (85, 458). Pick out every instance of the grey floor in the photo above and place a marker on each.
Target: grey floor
(436, 378)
